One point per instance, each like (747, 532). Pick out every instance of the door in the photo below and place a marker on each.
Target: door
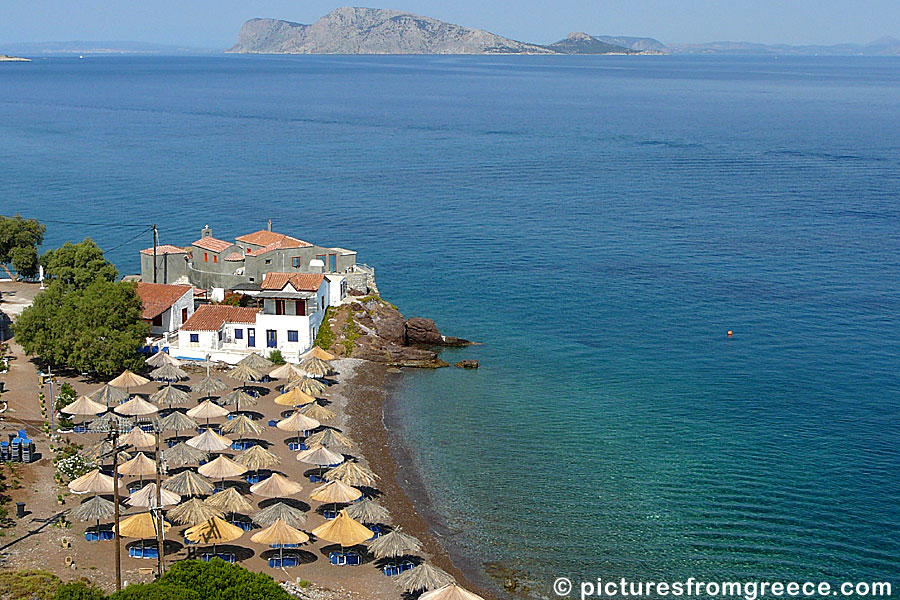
(251, 337)
(271, 338)
(279, 307)
(332, 263)
(301, 307)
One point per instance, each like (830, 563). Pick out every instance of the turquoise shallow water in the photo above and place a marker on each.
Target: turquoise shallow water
(599, 223)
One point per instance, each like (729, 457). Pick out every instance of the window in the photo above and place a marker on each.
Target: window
(323, 302)
(238, 334)
(268, 261)
(221, 335)
(293, 336)
(205, 257)
(295, 262)
(215, 258)
(184, 315)
(195, 338)
(157, 321)
(300, 307)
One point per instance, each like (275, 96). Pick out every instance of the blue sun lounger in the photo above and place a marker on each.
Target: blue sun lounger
(342, 559)
(289, 560)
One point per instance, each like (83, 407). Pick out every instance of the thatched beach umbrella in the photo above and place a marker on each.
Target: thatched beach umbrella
(318, 412)
(207, 410)
(285, 371)
(307, 385)
(254, 360)
(276, 486)
(107, 395)
(280, 533)
(315, 367)
(85, 407)
(241, 399)
(230, 501)
(209, 441)
(222, 467)
(318, 352)
(188, 483)
(335, 492)
(181, 454)
(169, 373)
(245, 374)
(451, 591)
(294, 398)
(208, 386)
(177, 421)
(136, 407)
(128, 380)
(109, 422)
(140, 465)
(394, 545)
(369, 512)
(162, 358)
(141, 525)
(193, 511)
(170, 396)
(320, 456)
(352, 473)
(256, 458)
(94, 509)
(146, 497)
(214, 531)
(101, 452)
(138, 438)
(344, 531)
(298, 422)
(92, 482)
(242, 425)
(423, 577)
(287, 513)
(330, 438)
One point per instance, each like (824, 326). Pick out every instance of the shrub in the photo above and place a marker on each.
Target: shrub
(78, 590)
(28, 585)
(218, 580)
(156, 591)
(65, 397)
(276, 357)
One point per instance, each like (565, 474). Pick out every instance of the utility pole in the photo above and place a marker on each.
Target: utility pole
(52, 405)
(155, 241)
(115, 450)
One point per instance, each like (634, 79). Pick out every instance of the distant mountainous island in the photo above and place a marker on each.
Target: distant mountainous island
(7, 58)
(886, 46)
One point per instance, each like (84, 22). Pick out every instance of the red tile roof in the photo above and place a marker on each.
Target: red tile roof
(235, 257)
(211, 243)
(164, 249)
(266, 239)
(159, 297)
(210, 317)
(302, 282)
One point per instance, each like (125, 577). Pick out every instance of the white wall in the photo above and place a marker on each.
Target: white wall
(171, 318)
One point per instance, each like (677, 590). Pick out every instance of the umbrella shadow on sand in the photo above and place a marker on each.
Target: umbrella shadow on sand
(169, 546)
(292, 502)
(304, 556)
(364, 556)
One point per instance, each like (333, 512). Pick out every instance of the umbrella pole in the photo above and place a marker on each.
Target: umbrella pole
(159, 515)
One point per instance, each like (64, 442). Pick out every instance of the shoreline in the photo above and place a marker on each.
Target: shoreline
(369, 395)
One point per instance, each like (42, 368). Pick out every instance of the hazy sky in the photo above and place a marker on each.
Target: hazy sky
(215, 23)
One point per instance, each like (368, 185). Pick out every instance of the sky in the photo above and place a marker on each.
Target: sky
(215, 23)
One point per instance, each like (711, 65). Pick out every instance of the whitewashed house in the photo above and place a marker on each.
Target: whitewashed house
(165, 307)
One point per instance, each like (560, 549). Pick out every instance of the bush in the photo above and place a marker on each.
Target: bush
(28, 585)
(276, 357)
(65, 396)
(78, 590)
(218, 580)
(156, 591)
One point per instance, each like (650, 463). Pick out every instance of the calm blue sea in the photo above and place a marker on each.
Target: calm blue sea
(599, 223)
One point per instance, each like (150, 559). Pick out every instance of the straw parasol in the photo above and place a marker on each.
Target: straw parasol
(294, 398)
(107, 395)
(141, 525)
(193, 511)
(188, 483)
(285, 371)
(297, 422)
(451, 591)
(320, 456)
(335, 492)
(208, 386)
(214, 531)
(276, 486)
(423, 577)
(136, 407)
(287, 513)
(94, 509)
(318, 412)
(177, 421)
(222, 467)
(344, 531)
(138, 438)
(162, 358)
(229, 500)
(307, 385)
(140, 465)
(245, 374)
(352, 473)
(280, 533)
(207, 410)
(256, 458)
(254, 360)
(169, 373)
(316, 367)
(101, 451)
(368, 511)
(171, 396)
(109, 422)
(146, 497)
(84, 406)
(209, 441)
(181, 454)
(240, 399)
(318, 352)
(242, 425)
(330, 438)
(128, 380)
(394, 544)
(92, 482)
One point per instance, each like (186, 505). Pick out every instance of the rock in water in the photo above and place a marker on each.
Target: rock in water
(467, 364)
(420, 330)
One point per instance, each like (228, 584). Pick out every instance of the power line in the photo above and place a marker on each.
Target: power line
(139, 234)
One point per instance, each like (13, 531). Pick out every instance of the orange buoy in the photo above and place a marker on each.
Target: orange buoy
(730, 333)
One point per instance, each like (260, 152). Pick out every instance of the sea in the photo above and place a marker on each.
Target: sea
(684, 273)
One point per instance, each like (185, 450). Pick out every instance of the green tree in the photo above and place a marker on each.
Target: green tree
(78, 590)
(78, 265)
(276, 357)
(214, 580)
(19, 239)
(98, 328)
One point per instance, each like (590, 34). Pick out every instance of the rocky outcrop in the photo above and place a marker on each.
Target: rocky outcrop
(467, 364)
(351, 30)
(423, 331)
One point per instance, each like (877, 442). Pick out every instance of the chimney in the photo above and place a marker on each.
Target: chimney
(269, 226)
(205, 232)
